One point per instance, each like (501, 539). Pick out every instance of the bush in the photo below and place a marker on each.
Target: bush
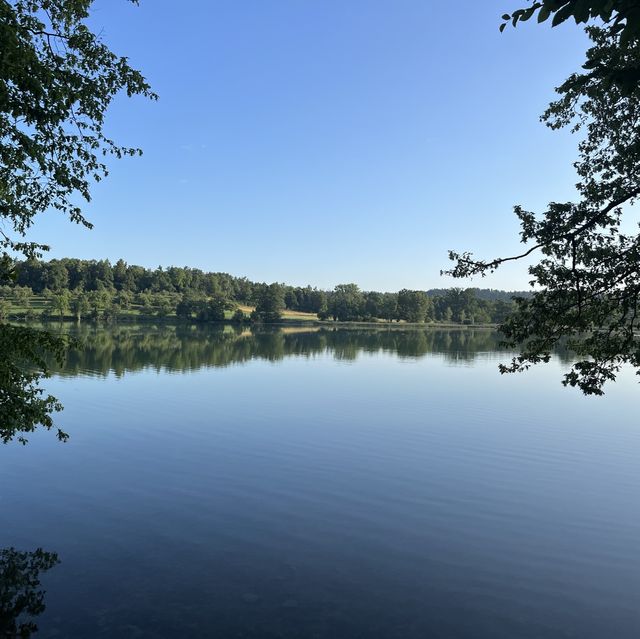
(238, 316)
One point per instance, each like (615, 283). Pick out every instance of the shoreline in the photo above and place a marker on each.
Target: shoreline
(149, 319)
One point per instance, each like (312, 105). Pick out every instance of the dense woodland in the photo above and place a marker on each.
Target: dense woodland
(98, 290)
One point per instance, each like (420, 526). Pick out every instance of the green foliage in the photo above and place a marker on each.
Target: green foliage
(238, 316)
(22, 295)
(269, 304)
(587, 279)
(347, 303)
(164, 308)
(23, 404)
(388, 309)
(125, 299)
(60, 303)
(622, 16)
(203, 309)
(186, 293)
(57, 81)
(5, 309)
(185, 308)
(20, 597)
(413, 306)
(80, 306)
(98, 301)
(212, 310)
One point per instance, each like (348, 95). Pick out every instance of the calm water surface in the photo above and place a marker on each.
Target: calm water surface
(328, 484)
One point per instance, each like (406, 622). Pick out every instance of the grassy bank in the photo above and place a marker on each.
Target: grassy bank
(39, 309)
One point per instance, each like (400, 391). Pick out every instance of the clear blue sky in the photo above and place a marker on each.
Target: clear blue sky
(327, 141)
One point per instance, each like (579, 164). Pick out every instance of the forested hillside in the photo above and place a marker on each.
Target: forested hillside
(98, 290)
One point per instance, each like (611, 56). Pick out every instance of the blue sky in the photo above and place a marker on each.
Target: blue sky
(327, 141)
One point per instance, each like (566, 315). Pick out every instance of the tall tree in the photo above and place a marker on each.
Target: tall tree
(270, 304)
(413, 305)
(57, 79)
(346, 303)
(60, 303)
(80, 306)
(588, 277)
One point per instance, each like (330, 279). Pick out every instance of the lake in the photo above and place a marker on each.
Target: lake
(328, 484)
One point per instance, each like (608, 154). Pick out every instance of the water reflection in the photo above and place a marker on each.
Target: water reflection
(21, 598)
(414, 494)
(180, 348)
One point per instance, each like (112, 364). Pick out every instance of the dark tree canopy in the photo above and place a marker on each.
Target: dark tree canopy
(269, 303)
(623, 16)
(57, 80)
(587, 281)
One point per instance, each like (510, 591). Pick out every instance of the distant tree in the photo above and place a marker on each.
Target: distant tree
(161, 281)
(80, 306)
(55, 276)
(111, 311)
(373, 304)
(460, 302)
(5, 309)
(389, 306)
(317, 302)
(185, 307)
(212, 310)
(120, 280)
(97, 301)
(413, 305)
(60, 303)
(346, 303)
(22, 295)
(125, 299)
(99, 275)
(28, 273)
(147, 302)
(270, 304)
(244, 289)
(238, 316)
(482, 314)
(291, 299)
(501, 311)
(164, 307)
(179, 278)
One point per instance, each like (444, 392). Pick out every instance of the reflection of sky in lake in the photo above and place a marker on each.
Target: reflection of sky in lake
(391, 497)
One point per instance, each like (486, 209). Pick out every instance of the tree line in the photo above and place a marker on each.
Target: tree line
(99, 290)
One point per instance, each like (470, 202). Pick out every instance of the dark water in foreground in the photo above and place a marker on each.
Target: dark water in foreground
(329, 485)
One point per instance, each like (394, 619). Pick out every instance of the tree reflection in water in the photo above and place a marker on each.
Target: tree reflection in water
(127, 348)
(21, 598)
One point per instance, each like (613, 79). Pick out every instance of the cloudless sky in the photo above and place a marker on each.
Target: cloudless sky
(327, 141)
